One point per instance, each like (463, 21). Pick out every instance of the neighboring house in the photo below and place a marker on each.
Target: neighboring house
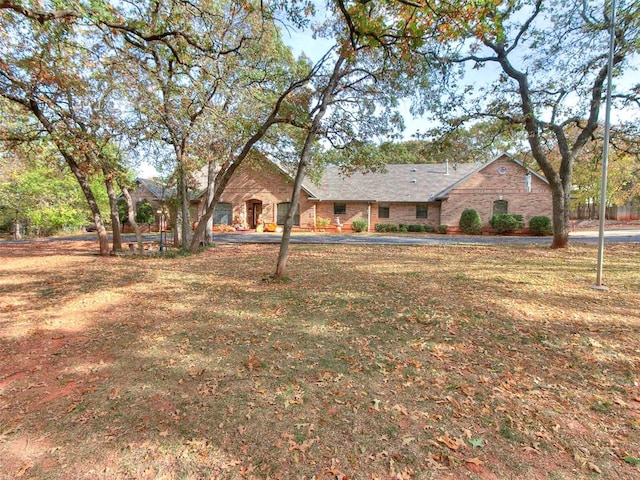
(428, 194)
(156, 194)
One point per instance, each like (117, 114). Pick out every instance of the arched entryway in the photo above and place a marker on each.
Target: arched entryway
(254, 210)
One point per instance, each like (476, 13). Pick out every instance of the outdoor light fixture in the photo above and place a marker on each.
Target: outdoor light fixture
(527, 182)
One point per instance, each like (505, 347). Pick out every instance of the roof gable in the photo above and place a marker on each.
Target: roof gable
(158, 190)
(444, 194)
(256, 162)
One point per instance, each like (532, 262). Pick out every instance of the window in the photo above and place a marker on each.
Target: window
(222, 214)
(383, 210)
(339, 208)
(500, 207)
(421, 210)
(283, 208)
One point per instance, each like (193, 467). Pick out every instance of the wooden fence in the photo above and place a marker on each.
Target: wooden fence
(623, 213)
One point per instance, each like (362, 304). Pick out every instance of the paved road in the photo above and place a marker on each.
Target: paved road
(611, 236)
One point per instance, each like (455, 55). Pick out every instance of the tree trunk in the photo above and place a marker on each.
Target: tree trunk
(131, 213)
(103, 238)
(560, 216)
(183, 195)
(222, 179)
(295, 196)
(211, 187)
(208, 213)
(229, 167)
(283, 255)
(177, 228)
(560, 181)
(17, 230)
(305, 155)
(115, 219)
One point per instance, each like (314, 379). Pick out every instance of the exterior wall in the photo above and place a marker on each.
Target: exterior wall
(264, 182)
(488, 185)
(398, 213)
(406, 213)
(354, 210)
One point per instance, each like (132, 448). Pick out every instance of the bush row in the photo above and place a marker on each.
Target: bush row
(503, 223)
(403, 228)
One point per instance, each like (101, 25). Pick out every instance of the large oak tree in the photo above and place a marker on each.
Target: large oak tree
(540, 65)
(54, 74)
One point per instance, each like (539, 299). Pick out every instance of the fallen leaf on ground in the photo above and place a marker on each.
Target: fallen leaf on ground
(407, 440)
(23, 470)
(453, 444)
(594, 468)
(476, 442)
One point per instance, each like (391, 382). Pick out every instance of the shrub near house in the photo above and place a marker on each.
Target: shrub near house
(540, 225)
(504, 223)
(470, 222)
(359, 225)
(322, 222)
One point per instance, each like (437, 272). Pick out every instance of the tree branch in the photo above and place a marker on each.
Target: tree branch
(41, 16)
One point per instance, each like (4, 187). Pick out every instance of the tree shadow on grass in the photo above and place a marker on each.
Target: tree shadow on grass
(206, 370)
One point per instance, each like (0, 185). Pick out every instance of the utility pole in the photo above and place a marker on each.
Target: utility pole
(605, 151)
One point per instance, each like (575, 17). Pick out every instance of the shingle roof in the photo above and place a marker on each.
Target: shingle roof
(159, 191)
(398, 183)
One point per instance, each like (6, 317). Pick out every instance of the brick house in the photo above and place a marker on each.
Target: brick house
(153, 192)
(428, 194)
(157, 195)
(259, 191)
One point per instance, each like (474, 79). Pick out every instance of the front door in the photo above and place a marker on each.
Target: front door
(254, 210)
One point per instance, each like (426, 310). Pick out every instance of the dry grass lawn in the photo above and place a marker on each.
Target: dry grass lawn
(372, 362)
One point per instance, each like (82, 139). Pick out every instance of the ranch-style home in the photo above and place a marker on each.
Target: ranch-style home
(150, 191)
(260, 192)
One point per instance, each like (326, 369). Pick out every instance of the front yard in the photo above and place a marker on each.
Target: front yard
(372, 362)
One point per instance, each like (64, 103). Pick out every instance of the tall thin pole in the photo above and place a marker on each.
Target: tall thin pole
(605, 149)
